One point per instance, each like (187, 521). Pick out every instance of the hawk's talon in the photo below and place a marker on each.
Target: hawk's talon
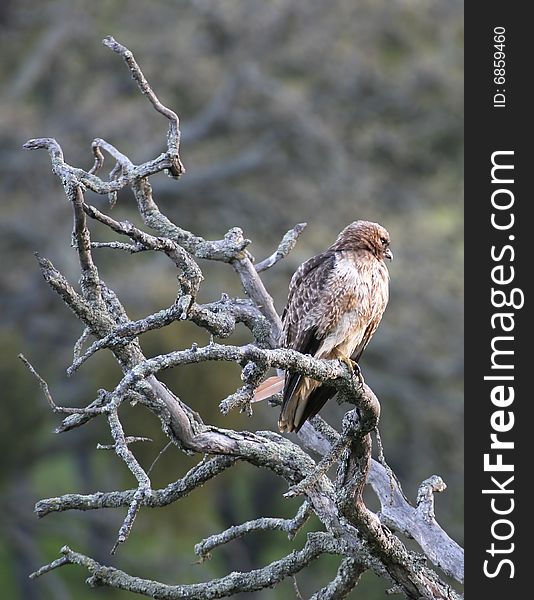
(354, 369)
(359, 375)
(349, 363)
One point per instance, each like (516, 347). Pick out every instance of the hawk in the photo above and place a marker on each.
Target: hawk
(336, 301)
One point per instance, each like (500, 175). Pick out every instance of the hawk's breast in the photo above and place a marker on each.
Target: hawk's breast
(355, 302)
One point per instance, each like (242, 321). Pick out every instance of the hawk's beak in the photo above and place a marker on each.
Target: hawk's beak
(388, 254)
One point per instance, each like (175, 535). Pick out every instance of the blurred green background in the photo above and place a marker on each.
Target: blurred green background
(315, 111)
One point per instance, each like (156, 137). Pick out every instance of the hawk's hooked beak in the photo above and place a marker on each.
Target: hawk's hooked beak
(388, 253)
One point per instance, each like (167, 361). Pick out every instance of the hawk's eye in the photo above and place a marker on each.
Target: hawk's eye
(384, 241)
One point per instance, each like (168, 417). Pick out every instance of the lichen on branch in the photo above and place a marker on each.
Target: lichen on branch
(361, 538)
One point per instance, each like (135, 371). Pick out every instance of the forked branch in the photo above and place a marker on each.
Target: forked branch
(350, 530)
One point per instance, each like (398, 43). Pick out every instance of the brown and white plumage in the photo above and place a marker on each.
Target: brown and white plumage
(335, 304)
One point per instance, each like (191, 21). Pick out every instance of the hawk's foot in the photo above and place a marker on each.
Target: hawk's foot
(353, 367)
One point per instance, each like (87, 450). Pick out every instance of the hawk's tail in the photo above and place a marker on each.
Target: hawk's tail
(272, 385)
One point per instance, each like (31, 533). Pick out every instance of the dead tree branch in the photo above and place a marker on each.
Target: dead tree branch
(317, 544)
(357, 535)
(290, 526)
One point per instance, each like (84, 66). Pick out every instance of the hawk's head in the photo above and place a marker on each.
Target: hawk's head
(364, 235)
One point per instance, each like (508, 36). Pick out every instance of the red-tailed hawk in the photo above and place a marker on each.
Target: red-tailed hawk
(335, 304)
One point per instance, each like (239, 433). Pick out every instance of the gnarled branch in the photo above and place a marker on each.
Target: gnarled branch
(351, 530)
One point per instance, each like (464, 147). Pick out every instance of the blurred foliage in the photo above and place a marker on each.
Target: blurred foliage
(314, 111)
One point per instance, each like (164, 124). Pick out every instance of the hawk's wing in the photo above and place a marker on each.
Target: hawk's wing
(306, 291)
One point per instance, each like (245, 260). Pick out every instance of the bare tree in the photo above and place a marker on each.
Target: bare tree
(361, 538)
